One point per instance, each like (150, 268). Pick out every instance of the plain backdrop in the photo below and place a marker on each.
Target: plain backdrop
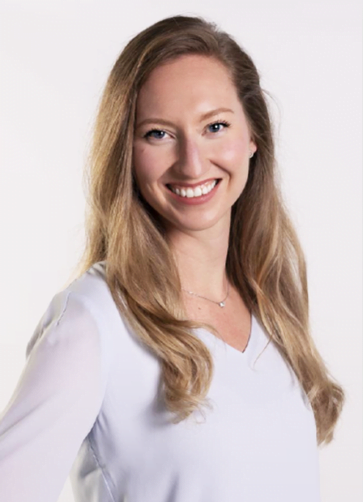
(55, 59)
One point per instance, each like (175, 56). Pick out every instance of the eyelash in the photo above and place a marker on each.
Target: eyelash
(223, 122)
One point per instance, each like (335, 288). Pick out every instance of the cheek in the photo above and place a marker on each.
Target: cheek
(233, 151)
(148, 164)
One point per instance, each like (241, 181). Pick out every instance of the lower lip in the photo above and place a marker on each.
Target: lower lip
(192, 201)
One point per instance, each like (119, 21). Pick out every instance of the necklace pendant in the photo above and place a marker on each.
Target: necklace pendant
(221, 304)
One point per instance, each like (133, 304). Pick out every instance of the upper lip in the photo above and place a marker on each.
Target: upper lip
(191, 185)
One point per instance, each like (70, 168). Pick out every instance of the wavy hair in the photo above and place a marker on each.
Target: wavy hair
(265, 261)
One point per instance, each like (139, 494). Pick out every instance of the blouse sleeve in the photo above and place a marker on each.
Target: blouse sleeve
(55, 403)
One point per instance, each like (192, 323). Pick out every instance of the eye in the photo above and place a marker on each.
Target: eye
(150, 133)
(218, 123)
(158, 131)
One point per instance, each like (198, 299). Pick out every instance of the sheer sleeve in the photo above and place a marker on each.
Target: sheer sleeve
(55, 403)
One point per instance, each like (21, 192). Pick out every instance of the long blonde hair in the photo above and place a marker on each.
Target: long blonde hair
(265, 261)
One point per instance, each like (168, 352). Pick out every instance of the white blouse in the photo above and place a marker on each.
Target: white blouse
(87, 405)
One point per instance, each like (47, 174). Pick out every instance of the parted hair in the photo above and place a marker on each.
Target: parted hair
(265, 260)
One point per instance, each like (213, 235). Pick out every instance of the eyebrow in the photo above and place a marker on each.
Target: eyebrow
(204, 116)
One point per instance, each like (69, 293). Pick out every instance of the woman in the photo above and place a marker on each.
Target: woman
(178, 365)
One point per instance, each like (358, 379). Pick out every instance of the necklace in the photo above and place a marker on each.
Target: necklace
(221, 304)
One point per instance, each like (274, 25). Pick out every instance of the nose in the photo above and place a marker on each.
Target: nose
(192, 163)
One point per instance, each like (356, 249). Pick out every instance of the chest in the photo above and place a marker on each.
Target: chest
(233, 321)
(258, 429)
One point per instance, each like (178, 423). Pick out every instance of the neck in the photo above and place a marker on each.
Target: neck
(201, 261)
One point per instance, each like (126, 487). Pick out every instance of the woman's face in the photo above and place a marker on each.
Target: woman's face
(176, 144)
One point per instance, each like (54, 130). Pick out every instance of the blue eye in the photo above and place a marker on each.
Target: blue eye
(224, 123)
(148, 134)
(220, 122)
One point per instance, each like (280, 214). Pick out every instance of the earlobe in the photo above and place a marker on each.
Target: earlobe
(252, 149)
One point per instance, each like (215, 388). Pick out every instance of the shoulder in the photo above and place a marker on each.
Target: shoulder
(77, 318)
(92, 292)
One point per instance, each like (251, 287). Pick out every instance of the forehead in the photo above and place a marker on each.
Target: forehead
(189, 83)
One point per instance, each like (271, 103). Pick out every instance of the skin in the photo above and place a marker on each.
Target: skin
(190, 151)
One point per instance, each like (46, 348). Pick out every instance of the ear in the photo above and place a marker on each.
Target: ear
(253, 146)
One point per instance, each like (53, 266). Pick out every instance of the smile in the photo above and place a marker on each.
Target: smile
(194, 192)
(199, 195)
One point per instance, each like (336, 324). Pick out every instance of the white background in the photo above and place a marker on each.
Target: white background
(55, 58)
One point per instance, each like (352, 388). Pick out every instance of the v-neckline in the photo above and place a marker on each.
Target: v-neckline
(229, 347)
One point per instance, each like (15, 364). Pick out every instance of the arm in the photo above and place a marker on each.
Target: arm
(55, 403)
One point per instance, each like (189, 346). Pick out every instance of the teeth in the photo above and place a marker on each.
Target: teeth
(194, 192)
